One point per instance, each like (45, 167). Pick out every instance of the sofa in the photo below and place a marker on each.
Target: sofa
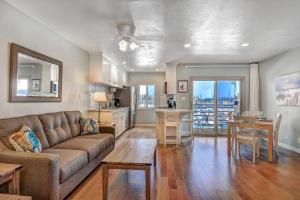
(67, 157)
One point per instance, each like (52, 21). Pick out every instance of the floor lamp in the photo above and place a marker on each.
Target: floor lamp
(100, 97)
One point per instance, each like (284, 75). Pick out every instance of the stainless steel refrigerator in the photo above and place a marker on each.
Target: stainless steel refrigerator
(127, 98)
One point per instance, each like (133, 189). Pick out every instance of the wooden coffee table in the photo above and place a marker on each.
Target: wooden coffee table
(134, 154)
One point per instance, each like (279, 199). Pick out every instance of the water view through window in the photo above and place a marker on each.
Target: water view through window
(213, 101)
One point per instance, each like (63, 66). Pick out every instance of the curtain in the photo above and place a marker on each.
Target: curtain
(254, 87)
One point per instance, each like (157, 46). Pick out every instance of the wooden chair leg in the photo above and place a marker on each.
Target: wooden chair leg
(258, 150)
(254, 153)
(239, 146)
(235, 149)
(165, 137)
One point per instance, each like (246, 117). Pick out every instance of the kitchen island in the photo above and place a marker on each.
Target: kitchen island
(174, 126)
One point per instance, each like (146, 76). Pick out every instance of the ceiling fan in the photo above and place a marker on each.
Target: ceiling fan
(127, 40)
(126, 37)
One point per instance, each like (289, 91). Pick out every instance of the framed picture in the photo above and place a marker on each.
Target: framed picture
(182, 86)
(288, 89)
(36, 84)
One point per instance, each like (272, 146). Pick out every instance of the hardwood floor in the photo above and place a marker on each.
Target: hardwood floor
(200, 171)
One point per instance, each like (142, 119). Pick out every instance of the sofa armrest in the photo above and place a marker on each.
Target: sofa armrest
(39, 175)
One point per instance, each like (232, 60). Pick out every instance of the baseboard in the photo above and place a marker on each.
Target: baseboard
(285, 146)
(144, 125)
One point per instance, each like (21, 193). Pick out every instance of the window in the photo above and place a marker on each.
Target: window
(22, 87)
(146, 96)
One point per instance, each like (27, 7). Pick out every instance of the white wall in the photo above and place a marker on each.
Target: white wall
(269, 69)
(18, 28)
(147, 116)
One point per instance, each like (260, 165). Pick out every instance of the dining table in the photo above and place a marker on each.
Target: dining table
(259, 125)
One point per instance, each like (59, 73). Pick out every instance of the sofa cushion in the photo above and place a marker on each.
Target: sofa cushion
(73, 118)
(25, 140)
(92, 146)
(12, 125)
(89, 126)
(71, 161)
(56, 127)
(106, 137)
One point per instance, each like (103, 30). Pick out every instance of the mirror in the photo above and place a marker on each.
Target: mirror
(34, 77)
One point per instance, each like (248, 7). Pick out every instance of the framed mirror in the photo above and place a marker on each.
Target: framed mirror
(34, 77)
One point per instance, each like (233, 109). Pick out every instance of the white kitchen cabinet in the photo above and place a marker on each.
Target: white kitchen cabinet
(171, 78)
(124, 79)
(101, 70)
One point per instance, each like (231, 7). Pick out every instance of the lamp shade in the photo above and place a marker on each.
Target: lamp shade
(100, 96)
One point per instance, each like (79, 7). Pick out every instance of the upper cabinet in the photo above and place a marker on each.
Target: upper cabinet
(101, 70)
(125, 78)
(171, 78)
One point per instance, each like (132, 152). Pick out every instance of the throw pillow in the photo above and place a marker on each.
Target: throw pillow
(89, 126)
(25, 140)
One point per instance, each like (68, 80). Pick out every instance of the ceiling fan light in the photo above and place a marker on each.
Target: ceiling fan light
(123, 45)
(133, 46)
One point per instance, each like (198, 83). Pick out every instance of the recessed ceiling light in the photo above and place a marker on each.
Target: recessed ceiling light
(187, 45)
(132, 70)
(245, 44)
(157, 69)
(124, 62)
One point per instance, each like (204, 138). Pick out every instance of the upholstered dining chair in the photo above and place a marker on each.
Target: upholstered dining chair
(275, 133)
(245, 135)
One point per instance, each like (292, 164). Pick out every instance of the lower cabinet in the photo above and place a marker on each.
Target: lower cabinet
(119, 116)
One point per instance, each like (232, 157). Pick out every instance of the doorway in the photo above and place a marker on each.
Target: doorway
(213, 102)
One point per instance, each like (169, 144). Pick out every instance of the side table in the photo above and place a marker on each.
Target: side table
(10, 173)
(107, 127)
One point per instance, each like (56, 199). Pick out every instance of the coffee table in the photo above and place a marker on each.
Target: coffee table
(133, 154)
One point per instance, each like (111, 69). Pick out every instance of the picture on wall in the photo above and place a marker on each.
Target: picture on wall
(288, 89)
(36, 84)
(182, 86)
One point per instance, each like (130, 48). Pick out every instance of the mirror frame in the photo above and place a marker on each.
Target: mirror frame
(15, 49)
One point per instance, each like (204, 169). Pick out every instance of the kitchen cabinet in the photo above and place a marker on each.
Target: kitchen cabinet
(124, 79)
(102, 70)
(119, 116)
(171, 78)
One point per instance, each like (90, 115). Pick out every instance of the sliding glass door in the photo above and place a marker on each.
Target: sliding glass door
(213, 101)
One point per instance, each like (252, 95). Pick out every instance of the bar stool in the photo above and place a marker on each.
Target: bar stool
(171, 120)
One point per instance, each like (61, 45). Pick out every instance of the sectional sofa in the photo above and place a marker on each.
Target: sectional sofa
(67, 157)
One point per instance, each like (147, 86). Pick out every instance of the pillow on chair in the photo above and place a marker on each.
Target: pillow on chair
(25, 140)
(88, 126)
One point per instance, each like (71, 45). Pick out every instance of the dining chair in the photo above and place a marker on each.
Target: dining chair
(275, 133)
(245, 135)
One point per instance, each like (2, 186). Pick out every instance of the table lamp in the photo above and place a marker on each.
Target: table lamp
(100, 97)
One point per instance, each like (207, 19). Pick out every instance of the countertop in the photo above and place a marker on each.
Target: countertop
(172, 110)
(108, 109)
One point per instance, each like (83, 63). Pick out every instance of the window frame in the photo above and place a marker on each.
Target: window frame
(147, 96)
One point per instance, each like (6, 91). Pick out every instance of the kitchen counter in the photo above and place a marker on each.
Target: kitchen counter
(173, 110)
(183, 118)
(108, 109)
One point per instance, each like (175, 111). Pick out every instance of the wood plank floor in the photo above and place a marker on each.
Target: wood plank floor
(200, 171)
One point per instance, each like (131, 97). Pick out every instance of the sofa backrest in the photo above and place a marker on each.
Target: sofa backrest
(73, 118)
(12, 125)
(56, 127)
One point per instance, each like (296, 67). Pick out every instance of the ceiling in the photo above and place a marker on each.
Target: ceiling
(216, 29)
